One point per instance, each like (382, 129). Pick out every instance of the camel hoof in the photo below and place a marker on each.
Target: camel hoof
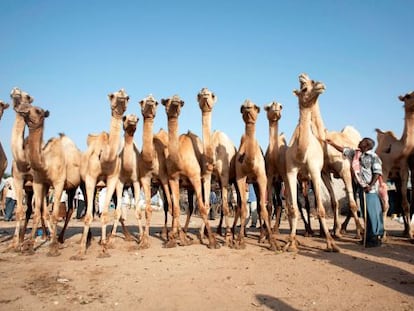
(171, 243)
(214, 245)
(104, 254)
(53, 250)
(129, 238)
(77, 257)
(144, 244)
(239, 245)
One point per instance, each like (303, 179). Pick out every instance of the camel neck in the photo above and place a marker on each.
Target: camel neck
(173, 140)
(273, 136)
(114, 139)
(207, 145)
(17, 139)
(304, 133)
(317, 122)
(250, 140)
(147, 140)
(35, 140)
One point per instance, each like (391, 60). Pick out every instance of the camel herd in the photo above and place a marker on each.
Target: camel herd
(185, 161)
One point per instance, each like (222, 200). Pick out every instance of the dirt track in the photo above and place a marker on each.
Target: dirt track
(197, 278)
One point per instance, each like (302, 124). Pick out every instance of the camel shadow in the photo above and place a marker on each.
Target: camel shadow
(273, 303)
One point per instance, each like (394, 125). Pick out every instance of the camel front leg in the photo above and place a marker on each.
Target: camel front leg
(241, 212)
(330, 243)
(111, 183)
(118, 210)
(262, 181)
(175, 191)
(196, 182)
(54, 247)
(326, 178)
(292, 209)
(226, 212)
(90, 183)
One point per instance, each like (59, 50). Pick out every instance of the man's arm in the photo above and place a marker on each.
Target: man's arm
(335, 145)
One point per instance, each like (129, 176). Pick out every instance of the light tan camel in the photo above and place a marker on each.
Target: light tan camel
(394, 153)
(183, 166)
(55, 164)
(250, 168)
(3, 158)
(128, 175)
(101, 163)
(218, 159)
(305, 153)
(152, 165)
(21, 171)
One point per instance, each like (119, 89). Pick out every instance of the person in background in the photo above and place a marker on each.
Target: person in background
(10, 199)
(252, 206)
(367, 171)
(80, 203)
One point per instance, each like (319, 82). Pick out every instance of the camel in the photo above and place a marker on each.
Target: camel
(306, 154)
(218, 159)
(275, 160)
(250, 167)
(394, 154)
(183, 162)
(55, 164)
(152, 165)
(101, 163)
(128, 175)
(3, 158)
(335, 163)
(21, 170)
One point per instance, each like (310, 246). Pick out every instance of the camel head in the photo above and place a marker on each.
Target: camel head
(206, 100)
(119, 102)
(408, 100)
(250, 111)
(20, 97)
(3, 106)
(173, 106)
(274, 111)
(129, 123)
(33, 116)
(148, 107)
(309, 91)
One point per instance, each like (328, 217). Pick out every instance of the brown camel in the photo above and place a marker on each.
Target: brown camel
(250, 167)
(128, 175)
(21, 170)
(218, 159)
(183, 163)
(3, 158)
(394, 154)
(152, 165)
(101, 163)
(55, 164)
(305, 153)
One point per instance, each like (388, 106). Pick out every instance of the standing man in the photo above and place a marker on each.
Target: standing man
(252, 204)
(367, 168)
(10, 199)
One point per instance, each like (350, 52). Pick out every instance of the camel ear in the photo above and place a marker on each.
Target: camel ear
(401, 98)
(241, 109)
(214, 97)
(47, 113)
(257, 108)
(296, 92)
(110, 96)
(182, 103)
(5, 106)
(164, 101)
(123, 118)
(266, 107)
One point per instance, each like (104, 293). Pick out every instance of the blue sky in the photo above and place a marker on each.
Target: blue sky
(69, 55)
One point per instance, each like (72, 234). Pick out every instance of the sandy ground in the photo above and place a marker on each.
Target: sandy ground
(197, 278)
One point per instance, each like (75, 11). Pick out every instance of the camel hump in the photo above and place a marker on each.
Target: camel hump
(352, 133)
(386, 133)
(97, 138)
